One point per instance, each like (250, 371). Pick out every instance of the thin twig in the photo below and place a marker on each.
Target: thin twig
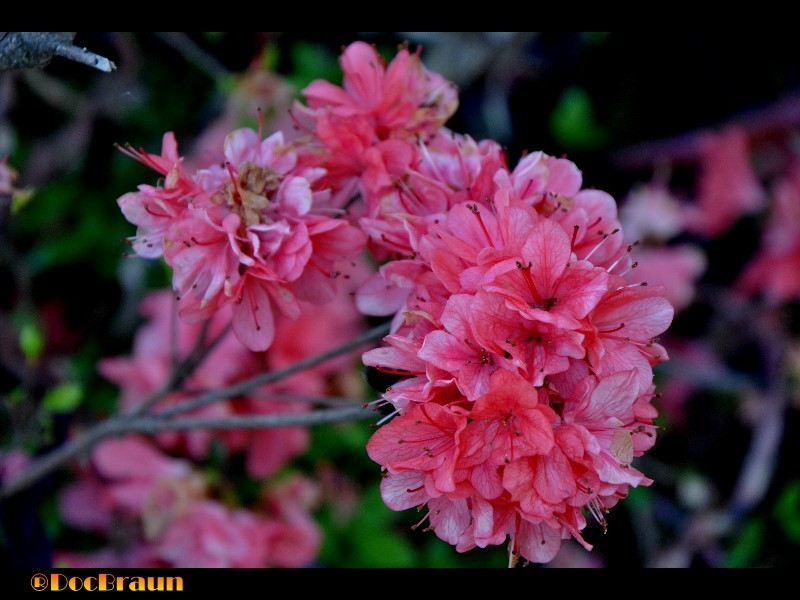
(180, 371)
(83, 56)
(40, 467)
(156, 424)
(151, 425)
(35, 49)
(247, 385)
(288, 397)
(707, 528)
(130, 422)
(775, 118)
(193, 53)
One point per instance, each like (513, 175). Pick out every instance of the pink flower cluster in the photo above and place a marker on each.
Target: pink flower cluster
(251, 232)
(155, 510)
(523, 340)
(774, 271)
(146, 370)
(528, 373)
(654, 215)
(152, 503)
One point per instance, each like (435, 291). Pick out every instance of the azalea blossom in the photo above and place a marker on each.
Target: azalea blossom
(244, 233)
(773, 271)
(158, 511)
(228, 362)
(487, 431)
(727, 186)
(522, 337)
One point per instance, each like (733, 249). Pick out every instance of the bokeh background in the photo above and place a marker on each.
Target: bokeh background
(710, 120)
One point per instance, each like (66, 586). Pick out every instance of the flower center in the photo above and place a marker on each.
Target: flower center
(248, 193)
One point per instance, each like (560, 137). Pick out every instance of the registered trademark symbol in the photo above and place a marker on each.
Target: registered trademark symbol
(39, 582)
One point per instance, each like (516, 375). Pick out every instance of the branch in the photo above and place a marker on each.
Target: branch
(287, 397)
(151, 425)
(194, 53)
(156, 424)
(773, 119)
(54, 459)
(128, 423)
(247, 385)
(757, 468)
(180, 371)
(32, 49)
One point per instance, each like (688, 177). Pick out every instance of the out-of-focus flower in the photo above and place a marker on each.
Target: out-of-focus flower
(12, 463)
(727, 186)
(155, 510)
(650, 212)
(775, 269)
(677, 268)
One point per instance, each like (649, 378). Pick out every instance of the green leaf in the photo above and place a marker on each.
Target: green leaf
(20, 199)
(376, 542)
(312, 61)
(50, 205)
(31, 340)
(639, 498)
(63, 398)
(50, 517)
(270, 57)
(746, 546)
(376, 549)
(787, 510)
(572, 121)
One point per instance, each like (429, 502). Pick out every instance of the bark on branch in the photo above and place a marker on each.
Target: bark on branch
(35, 49)
(167, 421)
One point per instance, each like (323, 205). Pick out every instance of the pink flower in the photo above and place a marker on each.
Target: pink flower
(676, 268)
(134, 470)
(528, 372)
(543, 182)
(86, 505)
(423, 439)
(623, 328)
(773, 271)
(596, 231)
(366, 129)
(12, 463)
(651, 212)
(243, 234)
(293, 537)
(520, 463)
(543, 283)
(727, 187)
(537, 348)
(148, 368)
(607, 409)
(210, 535)
(456, 349)
(153, 209)
(507, 423)
(157, 511)
(774, 276)
(229, 362)
(402, 96)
